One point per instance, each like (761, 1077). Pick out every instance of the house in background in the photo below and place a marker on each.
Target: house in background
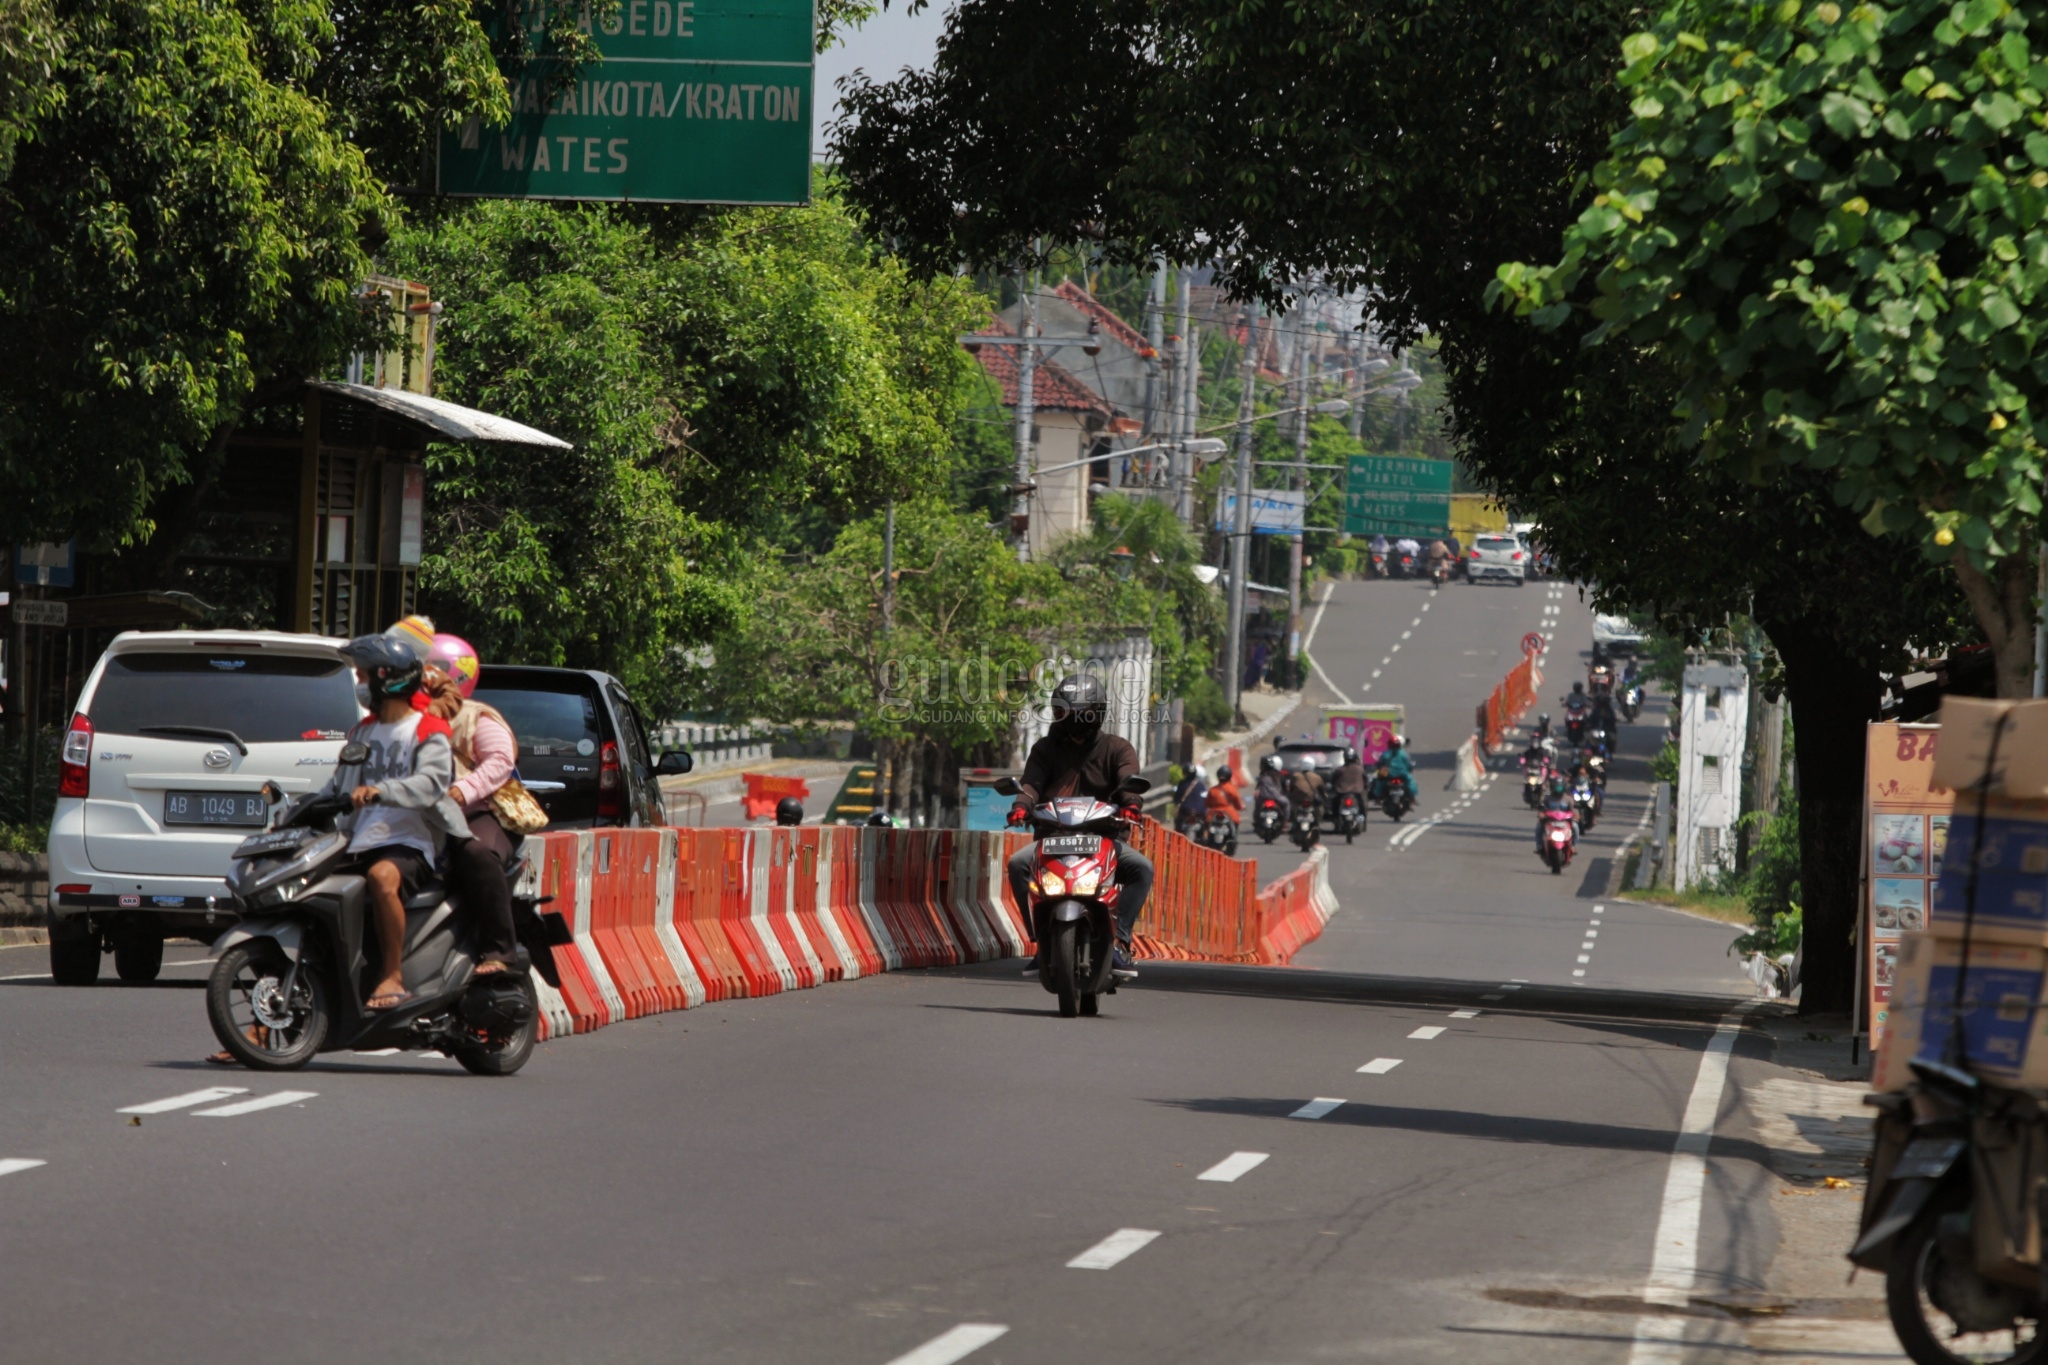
(1070, 422)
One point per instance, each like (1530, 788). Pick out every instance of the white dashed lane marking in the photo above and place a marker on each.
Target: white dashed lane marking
(956, 1343)
(1233, 1166)
(1114, 1249)
(186, 1100)
(9, 1165)
(1428, 1031)
(1316, 1108)
(1379, 1066)
(1493, 997)
(1464, 1014)
(236, 1110)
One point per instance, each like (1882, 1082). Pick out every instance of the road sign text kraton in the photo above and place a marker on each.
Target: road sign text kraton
(696, 101)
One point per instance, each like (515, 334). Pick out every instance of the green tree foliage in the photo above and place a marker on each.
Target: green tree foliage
(1135, 568)
(1409, 147)
(30, 47)
(952, 662)
(1830, 225)
(712, 371)
(183, 224)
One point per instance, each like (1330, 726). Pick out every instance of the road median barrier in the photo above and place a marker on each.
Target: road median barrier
(672, 918)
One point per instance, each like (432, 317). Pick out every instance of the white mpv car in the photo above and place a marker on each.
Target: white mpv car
(163, 768)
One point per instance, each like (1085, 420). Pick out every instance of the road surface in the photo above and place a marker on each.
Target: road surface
(1446, 1135)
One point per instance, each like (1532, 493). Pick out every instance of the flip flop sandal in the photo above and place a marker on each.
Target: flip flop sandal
(393, 1001)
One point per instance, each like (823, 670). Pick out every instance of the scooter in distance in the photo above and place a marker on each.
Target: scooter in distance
(1219, 832)
(1379, 564)
(1269, 817)
(291, 975)
(1559, 839)
(1632, 701)
(1585, 802)
(1396, 795)
(1304, 828)
(1074, 894)
(1350, 813)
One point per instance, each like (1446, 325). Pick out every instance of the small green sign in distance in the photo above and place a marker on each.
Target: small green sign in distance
(696, 101)
(1397, 496)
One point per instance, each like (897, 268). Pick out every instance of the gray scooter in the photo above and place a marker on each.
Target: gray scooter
(292, 974)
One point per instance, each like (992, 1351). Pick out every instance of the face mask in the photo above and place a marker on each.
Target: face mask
(363, 697)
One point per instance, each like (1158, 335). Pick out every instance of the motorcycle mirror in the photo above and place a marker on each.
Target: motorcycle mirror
(272, 793)
(1135, 785)
(354, 754)
(1005, 786)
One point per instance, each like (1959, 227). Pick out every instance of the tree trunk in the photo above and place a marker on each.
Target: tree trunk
(2003, 603)
(1834, 696)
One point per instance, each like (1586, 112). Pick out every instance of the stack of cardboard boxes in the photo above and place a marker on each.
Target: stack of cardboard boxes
(2002, 1007)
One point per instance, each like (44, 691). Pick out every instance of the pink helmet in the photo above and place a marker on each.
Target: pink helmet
(454, 656)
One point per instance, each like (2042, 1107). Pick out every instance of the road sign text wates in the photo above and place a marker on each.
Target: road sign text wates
(696, 101)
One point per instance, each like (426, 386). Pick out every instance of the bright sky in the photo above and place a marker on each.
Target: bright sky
(883, 46)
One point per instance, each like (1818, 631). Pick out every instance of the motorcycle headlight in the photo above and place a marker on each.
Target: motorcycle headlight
(1086, 883)
(1050, 883)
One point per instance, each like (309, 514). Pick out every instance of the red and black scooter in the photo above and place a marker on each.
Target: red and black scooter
(1074, 894)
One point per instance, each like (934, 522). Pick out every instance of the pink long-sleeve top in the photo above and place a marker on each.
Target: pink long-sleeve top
(496, 756)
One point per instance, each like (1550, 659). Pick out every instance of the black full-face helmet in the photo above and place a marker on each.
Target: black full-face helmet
(389, 664)
(789, 811)
(1079, 706)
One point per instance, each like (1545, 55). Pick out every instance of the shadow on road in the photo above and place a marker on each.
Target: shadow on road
(1519, 1128)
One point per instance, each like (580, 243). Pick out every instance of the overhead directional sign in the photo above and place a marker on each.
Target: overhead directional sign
(1393, 495)
(696, 101)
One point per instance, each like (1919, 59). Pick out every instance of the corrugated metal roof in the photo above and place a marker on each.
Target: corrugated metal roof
(440, 420)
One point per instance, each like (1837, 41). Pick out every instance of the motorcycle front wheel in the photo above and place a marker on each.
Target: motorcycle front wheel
(245, 1003)
(1062, 948)
(1920, 1278)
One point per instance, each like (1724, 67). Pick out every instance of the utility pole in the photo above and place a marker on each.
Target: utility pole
(1184, 427)
(1357, 384)
(1158, 394)
(1027, 364)
(1241, 525)
(1297, 478)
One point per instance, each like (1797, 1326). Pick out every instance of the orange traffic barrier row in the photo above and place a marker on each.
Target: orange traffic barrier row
(666, 919)
(1511, 700)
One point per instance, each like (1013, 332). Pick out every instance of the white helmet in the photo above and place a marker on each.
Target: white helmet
(1201, 773)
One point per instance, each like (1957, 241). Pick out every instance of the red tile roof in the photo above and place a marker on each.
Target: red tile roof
(1112, 325)
(1052, 388)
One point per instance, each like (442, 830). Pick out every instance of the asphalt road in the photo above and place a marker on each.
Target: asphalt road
(854, 1173)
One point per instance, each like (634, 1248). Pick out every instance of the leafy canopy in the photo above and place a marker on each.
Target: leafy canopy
(1830, 223)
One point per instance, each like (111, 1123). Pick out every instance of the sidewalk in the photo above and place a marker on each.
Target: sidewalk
(1815, 1130)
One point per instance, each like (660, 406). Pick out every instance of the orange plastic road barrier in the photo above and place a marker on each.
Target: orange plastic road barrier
(763, 791)
(735, 913)
(796, 963)
(610, 890)
(699, 884)
(665, 919)
(1511, 700)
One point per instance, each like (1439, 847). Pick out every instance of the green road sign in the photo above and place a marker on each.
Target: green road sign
(696, 101)
(1395, 496)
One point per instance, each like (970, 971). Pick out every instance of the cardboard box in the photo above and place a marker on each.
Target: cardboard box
(2005, 1024)
(1965, 746)
(2012, 873)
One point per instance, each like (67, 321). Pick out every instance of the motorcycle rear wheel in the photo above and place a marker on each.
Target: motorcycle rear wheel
(1062, 949)
(260, 1030)
(1924, 1329)
(502, 1057)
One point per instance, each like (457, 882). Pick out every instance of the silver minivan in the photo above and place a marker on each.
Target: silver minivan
(162, 773)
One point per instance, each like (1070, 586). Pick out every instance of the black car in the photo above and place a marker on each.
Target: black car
(583, 749)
